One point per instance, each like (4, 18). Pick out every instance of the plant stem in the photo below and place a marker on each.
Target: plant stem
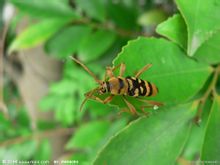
(209, 91)
(3, 34)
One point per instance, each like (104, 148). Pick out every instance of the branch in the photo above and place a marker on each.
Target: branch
(109, 26)
(211, 89)
(3, 33)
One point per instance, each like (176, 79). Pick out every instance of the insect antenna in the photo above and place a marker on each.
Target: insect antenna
(88, 95)
(87, 69)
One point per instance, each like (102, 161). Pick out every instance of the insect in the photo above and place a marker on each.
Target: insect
(124, 86)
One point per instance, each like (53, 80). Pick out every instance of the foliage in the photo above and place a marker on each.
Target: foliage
(16, 137)
(151, 141)
(185, 69)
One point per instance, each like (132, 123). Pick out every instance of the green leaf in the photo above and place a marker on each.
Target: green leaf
(67, 41)
(24, 153)
(172, 72)
(97, 110)
(88, 135)
(123, 16)
(211, 146)
(152, 17)
(195, 141)
(80, 157)
(93, 8)
(63, 87)
(44, 151)
(5, 124)
(68, 115)
(19, 151)
(114, 127)
(95, 44)
(66, 107)
(208, 52)
(45, 9)
(47, 103)
(147, 139)
(68, 95)
(202, 19)
(36, 34)
(175, 30)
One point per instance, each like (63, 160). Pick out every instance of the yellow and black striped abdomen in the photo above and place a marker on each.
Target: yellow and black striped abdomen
(138, 87)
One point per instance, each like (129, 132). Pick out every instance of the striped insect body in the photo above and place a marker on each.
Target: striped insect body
(138, 87)
(130, 86)
(124, 86)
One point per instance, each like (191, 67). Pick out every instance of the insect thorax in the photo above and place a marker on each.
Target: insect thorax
(117, 86)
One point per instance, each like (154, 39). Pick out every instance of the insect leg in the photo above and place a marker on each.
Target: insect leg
(108, 99)
(122, 69)
(87, 69)
(109, 70)
(109, 73)
(142, 70)
(124, 110)
(87, 96)
(145, 106)
(117, 66)
(150, 102)
(153, 105)
(105, 101)
(131, 107)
